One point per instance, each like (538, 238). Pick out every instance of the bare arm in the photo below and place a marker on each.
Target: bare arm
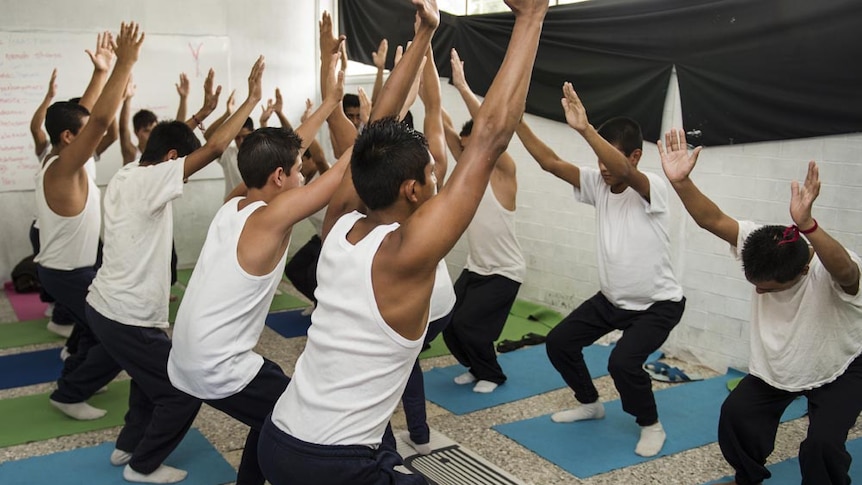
(183, 88)
(40, 138)
(677, 165)
(832, 254)
(127, 148)
(278, 108)
(429, 92)
(341, 130)
(316, 151)
(211, 95)
(453, 140)
(109, 137)
(547, 158)
(218, 142)
(379, 58)
(101, 58)
(334, 91)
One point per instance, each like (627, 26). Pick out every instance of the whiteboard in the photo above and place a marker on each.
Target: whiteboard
(26, 62)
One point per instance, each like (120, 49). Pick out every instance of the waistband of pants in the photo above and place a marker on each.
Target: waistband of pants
(323, 451)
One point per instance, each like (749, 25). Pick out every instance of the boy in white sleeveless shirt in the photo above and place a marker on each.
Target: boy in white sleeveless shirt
(806, 329)
(639, 293)
(376, 274)
(69, 215)
(225, 305)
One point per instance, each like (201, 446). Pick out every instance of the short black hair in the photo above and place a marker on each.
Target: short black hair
(167, 136)
(623, 132)
(467, 128)
(143, 119)
(62, 116)
(385, 155)
(408, 120)
(249, 124)
(265, 150)
(766, 258)
(350, 101)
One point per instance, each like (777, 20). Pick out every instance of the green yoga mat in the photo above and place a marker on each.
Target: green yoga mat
(32, 418)
(524, 318)
(19, 334)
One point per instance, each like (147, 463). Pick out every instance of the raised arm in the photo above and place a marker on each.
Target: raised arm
(318, 157)
(266, 111)
(429, 92)
(546, 157)
(76, 154)
(453, 139)
(230, 107)
(677, 165)
(222, 137)
(101, 59)
(211, 95)
(127, 148)
(183, 88)
(40, 138)
(278, 108)
(341, 130)
(109, 137)
(832, 254)
(379, 58)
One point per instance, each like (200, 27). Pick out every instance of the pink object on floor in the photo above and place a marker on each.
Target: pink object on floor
(27, 306)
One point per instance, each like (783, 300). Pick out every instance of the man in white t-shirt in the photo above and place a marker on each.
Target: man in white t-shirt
(127, 305)
(639, 293)
(806, 329)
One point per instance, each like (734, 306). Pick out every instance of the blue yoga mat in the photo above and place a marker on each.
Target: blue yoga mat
(290, 323)
(30, 368)
(787, 471)
(689, 414)
(529, 373)
(88, 466)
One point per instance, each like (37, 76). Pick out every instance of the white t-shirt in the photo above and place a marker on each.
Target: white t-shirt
(805, 336)
(222, 313)
(354, 368)
(493, 248)
(633, 245)
(133, 285)
(67, 243)
(228, 163)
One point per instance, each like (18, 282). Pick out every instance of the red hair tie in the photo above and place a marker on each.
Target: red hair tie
(791, 233)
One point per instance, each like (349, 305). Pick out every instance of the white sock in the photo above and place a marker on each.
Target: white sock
(465, 378)
(163, 474)
(422, 449)
(64, 354)
(61, 330)
(595, 410)
(308, 311)
(484, 387)
(120, 457)
(652, 439)
(79, 410)
(102, 390)
(49, 311)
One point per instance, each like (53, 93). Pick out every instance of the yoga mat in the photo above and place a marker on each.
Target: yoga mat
(27, 306)
(688, 412)
(289, 324)
(19, 334)
(536, 312)
(515, 328)
(88, 466)
(529, 373)
(787, 471)
(30, 368)
(285, 301)
(32, 418)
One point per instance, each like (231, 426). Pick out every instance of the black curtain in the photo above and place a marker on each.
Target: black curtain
(749, 70)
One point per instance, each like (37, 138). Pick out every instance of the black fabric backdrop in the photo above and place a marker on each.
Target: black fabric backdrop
(748, 70)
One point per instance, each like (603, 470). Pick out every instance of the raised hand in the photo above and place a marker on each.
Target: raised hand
(427, 13)
(335, 81)
(309, 108)
(675, 159)
(458, 78)
(52, 85)
(211, 94)
(230, 106)
(364, 107)
(576, 114)
(183, 87)
(379, 56)
(329, 42)
(104, 53)
(399, 53)
(131, 88)
(802, 197)
(255, 89)
(266, 111)
(527, 7)
(129, 41)
(278, 106)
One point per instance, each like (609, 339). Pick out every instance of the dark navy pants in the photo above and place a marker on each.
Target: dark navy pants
(301, 270)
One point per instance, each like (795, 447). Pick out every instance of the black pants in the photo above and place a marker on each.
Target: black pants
(159, 415)
(413, 398)
(749, 422)
(643, 333)
(252, 406)
(91, 367)
(481, 309)
(61, 315)
(174, 261)
(286, 460)
(301, 270)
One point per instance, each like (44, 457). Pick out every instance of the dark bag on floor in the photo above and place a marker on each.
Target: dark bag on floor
(24, 276)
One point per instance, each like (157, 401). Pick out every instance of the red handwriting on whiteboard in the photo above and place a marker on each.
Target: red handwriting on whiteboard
(196, 53)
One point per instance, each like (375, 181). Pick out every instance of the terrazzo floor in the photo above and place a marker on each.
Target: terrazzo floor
(472, 430)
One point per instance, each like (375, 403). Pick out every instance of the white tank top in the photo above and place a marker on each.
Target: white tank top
(493, 247)
(67, 243)
(222, 313)
(443, 294)
(355, 366)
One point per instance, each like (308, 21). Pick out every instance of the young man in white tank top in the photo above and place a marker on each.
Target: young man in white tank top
(69, 215)
(377, 272)
(489, 284)
(225, 305)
